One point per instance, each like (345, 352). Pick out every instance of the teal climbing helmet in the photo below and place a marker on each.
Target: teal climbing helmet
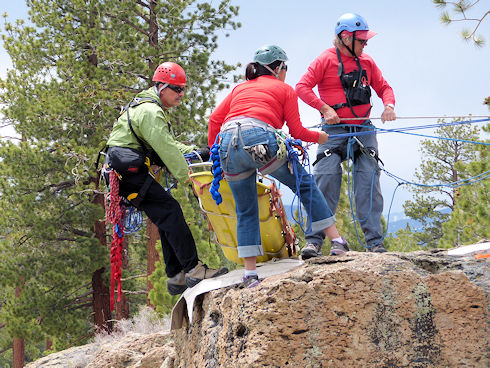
(268, 54)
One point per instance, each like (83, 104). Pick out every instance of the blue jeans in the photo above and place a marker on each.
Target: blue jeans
(236, 160)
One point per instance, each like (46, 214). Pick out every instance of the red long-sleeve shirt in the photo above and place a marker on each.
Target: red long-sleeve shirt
(322, 72)
(267, 99)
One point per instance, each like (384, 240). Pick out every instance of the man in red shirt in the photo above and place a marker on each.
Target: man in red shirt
(344, 76)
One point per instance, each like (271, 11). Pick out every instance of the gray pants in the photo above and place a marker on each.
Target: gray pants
(328, 176)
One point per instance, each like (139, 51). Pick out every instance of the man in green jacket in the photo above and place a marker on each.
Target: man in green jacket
(143, 130)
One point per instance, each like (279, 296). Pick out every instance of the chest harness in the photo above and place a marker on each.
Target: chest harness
(355, 84)
(357, 92)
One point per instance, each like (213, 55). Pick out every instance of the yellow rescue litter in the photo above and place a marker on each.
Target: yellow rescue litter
(278, 238)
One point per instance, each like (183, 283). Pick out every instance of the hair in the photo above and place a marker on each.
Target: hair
(337, 42)
(254, 69)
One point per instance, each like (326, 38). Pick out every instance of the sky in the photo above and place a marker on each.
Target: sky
(433, 72)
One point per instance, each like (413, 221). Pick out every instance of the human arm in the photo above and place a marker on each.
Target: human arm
(385, 92)
(304, 88)
(291, 115)
(155, 132)
(217, 119)
(388, 113)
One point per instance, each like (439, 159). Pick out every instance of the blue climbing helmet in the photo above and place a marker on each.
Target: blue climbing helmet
(352, 22)
(268, 54)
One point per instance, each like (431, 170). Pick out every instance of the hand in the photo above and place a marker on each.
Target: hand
(388, 115)
(204, 153)
(330, 115)
(323, 137)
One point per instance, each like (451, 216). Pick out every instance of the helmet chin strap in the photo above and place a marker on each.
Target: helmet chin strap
(272, 71)
(351, 50)
(159, 89)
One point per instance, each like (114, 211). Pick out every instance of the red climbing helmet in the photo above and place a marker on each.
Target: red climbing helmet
(170, 73)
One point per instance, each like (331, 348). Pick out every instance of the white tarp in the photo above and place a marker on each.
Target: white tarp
(467, 249)
(186, 301)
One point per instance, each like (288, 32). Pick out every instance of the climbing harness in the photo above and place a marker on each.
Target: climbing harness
(355, 148)
(289, 150)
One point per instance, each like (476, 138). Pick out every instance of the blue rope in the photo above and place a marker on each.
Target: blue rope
(133, 220)
(192, 156)
(350, 156)
(293, 158)
(217, 172)
(400, 181)
(373, 130)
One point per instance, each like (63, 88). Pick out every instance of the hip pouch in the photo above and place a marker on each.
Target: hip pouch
(126, 161)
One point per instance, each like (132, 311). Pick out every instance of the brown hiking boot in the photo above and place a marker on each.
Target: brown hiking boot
(201, 272)
(176, 285)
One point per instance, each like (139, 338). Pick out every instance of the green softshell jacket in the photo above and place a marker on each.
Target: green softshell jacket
(152, 127)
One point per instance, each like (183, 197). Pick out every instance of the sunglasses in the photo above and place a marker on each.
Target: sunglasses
(176, 89)
(362, 42)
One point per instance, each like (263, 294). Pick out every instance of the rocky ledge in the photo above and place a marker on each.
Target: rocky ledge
(394, 310)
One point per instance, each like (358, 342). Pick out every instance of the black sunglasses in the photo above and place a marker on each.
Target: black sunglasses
(362, 42)
(176, 89)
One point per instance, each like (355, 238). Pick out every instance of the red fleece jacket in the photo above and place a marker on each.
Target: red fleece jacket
(267, 99)
(322, 72)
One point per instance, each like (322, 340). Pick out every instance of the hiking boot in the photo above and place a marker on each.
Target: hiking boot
(311, 250)
(176, 285)
(378, 248)
(337, 249)
(250, 281)
(201, 272)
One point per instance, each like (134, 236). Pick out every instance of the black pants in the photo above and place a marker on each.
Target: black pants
(179, 248)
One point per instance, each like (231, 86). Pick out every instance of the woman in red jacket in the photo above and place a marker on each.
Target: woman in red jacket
(247, 119)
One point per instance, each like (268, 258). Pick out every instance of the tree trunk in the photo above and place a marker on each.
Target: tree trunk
(101, 302)
(101, 295)
(18, 344)
(122, 307)
(153, 34)
(151, 255)
(18, 352)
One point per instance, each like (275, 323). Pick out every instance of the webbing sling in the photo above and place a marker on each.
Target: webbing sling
(136, 198)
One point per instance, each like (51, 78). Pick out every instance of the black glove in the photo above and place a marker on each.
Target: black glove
(204, 153)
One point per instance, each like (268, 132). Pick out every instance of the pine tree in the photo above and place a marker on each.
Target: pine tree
(73, 68)
(470, 219)
(442, 163)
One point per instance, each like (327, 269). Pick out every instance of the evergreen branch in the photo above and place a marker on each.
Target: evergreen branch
(81, 233)
(142, 4)
(142, 16)
(59, 186)
(10, 137)
(4, 350)
(134, 277)
(131, 24)
(136, 292)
